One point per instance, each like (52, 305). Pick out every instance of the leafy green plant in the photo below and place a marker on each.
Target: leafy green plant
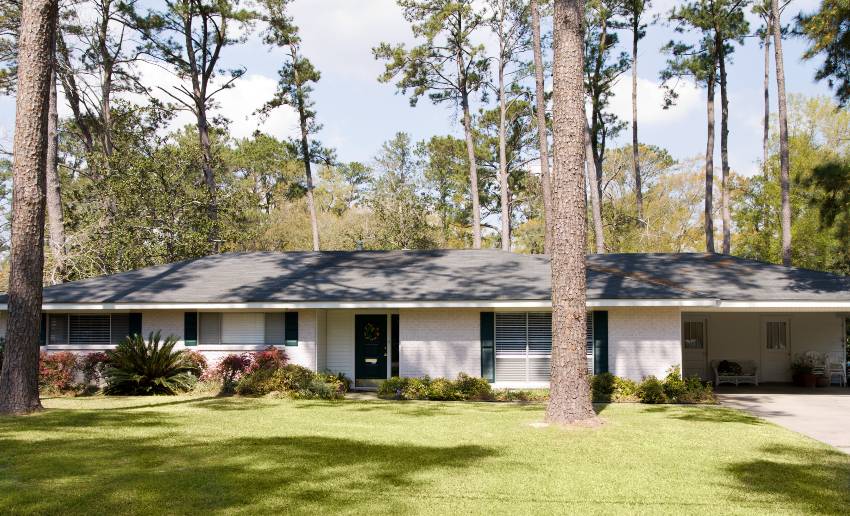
(625, 390)
(139, 367)
(651, 390)
(674, 384)
(465, 387)
(393, 387)
(473, 388)
(602, 387)
(521, 395)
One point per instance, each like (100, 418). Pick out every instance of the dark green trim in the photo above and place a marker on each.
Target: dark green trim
(290, 329)
(42, 332)
(190, 328)
(488, 346)
(135, 324)
(600, 342)
(394, 345)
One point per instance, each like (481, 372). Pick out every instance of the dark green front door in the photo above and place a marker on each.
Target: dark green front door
(370, 342)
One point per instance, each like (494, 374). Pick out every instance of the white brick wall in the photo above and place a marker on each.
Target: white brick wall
(438, 342)
(643, 341)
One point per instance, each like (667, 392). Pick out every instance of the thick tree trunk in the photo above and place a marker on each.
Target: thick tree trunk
(209, 179)
(569, 400)
(19, 376)
(593, 185)
(784, 163)
(724, 151)
(635, 146)
(542, 132)
(503, 164)
(473, 172)
(766, 120)
(709, 166)
(55, 219)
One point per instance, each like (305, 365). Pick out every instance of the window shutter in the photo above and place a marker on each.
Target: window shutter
(190, 328)
(120, 327)
(210, 328)
(135, 323)
(600, 342)
(275, 329)
(42, 333)
(488, 352)
(291, 328)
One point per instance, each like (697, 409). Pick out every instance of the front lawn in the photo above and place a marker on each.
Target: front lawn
(237, 455)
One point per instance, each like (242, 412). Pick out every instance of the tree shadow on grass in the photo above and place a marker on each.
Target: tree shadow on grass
(807, 480)
(705, 414)
(165, 474)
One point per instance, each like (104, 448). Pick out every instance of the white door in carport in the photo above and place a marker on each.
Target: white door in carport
(775, 350)
(694, 347)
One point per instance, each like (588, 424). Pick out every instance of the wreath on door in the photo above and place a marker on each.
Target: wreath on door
(371, 332)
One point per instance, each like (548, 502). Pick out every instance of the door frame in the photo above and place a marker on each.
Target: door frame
(763, 320)
(704, 320)
(388, 314)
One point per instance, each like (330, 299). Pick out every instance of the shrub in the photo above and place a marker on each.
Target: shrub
(93, 366)
(57, 371)
(293, 380)
(625, 390)
(416, 389)
(137, 367)
(198, 360)
(269, 359)
(602, 387)
(441, 389)
(674, 384)
(522, 395)
(338, 381)
(473, 388)
(318, 388)
(651, 390)
(393, 388)
(697, 391)
(228, 372)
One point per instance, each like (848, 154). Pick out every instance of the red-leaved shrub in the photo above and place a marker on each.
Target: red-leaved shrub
(198, 360)
(56, 371)
(269, 359)
(92, 365)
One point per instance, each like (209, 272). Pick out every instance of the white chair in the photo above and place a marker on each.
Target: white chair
(836, 365)
(818, 361)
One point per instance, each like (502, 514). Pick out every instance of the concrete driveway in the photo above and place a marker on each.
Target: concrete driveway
(823, 414)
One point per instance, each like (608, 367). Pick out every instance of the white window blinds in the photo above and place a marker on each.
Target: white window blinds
(243, 328)
(523, 346)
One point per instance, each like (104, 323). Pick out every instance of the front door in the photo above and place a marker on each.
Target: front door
(694, 347)
(775, 350)
(370, 342)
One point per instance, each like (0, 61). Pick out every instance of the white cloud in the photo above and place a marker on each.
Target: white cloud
(651, 99)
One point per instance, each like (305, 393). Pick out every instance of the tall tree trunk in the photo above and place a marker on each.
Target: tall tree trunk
(593, 184)
(503, 163)
(19, 376)
(569, 399)
(724, 149)
(209, 178)
(784, 163)
(473, 172)
(709, 165)
(635, 146)
(106, 59)
(305, 152)
(55, 219)
(766, 120)
(542, 133)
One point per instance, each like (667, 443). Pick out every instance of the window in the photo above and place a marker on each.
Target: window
(776, 335)
(590, 341)
(523, 346)
(243, 328)
(694, 335)
(92, 330)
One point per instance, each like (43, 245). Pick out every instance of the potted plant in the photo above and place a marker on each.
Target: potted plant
(802, 371)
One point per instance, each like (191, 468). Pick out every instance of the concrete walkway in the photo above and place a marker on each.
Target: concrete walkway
(822, 414)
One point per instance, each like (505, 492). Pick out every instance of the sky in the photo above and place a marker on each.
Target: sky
(358, 113)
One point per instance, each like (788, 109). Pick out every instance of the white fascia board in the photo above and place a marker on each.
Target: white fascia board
(539, 304)
(785, 305)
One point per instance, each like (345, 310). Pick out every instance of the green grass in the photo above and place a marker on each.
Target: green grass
(210, 455)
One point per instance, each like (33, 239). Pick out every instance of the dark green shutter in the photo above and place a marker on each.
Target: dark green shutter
(488, 341)
(600, 342)
(290, 329)
(135, 323)
(190, 328)
(42, 333)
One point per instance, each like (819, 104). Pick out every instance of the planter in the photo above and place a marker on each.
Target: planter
(822, 381)
(805, 380)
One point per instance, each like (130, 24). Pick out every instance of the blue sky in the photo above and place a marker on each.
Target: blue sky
(358, 113)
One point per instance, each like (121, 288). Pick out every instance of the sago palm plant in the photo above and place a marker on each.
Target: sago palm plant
(137, 367)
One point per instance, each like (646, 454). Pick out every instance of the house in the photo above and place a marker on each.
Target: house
(372, 315)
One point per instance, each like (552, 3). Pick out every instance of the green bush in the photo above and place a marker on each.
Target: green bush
(465, 387)
(137, 367)
(521, 395)
(291, 380)
(338, 381)
(651, 390)
(602, 387)
(625, 390)
(674, 384)
(697, 391)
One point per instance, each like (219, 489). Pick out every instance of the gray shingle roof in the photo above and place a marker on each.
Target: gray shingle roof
(446, 275)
